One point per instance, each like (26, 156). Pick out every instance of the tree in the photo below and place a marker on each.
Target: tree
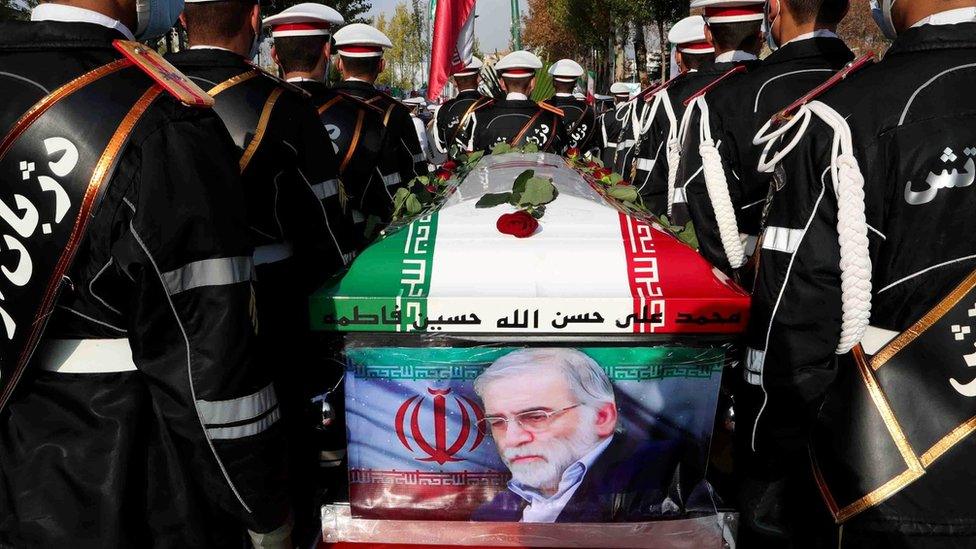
(860, 32)
(404, 61)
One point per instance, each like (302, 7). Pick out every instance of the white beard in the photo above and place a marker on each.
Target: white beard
(558, 455)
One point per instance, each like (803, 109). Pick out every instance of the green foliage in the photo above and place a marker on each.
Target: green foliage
(543, 84)
(404, 60)
(353, 11)
(529, 193)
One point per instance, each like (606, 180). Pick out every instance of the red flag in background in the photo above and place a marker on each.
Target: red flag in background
(452, 42)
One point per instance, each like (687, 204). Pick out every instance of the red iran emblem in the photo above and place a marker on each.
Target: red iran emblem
(440, 452)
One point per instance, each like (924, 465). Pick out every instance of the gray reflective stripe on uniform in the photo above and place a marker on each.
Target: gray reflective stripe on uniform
(754, 366)
(273, 253)
(215, 413)
(626, 144)
(679, 196)
(326, 189)
(357, 216)
(876, 338)
(221, 271)
(749, 243)
(392, 179)
(645, 164)
(419, 157)
(84, 356)
(246, 430)
(612, 144)
(782, 239)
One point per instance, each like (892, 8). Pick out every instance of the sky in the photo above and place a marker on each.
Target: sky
(492, 27)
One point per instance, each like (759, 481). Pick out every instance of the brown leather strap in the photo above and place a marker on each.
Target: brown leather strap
(355, 141)
(525, 129)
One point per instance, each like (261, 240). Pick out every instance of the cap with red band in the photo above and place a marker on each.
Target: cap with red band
(474, 67)
(518, 64)
(688, 35)
(308, 19)
(361, 40)
(730, 11)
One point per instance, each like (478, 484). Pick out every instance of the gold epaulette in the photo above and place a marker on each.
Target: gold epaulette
(163, 73)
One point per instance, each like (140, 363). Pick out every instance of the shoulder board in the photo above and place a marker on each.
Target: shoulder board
(360, 101)
(714, 83)
(163, 73)
(280, 81)
(650, 91)
(482, 103)
(547, 107)
(852, 67)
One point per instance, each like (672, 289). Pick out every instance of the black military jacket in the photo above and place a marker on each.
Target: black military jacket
(449, 118)
(650, 169)
(287, 162)
(610, 125)
(132, 459)
(516, 122)
(579, 121)
(913, 124)
(738, 109)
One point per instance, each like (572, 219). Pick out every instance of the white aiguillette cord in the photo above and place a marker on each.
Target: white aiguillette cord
(852, 228)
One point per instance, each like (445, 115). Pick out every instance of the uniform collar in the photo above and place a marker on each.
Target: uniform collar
(927, 38)
(297, 79)
(516, 97)
(469, 93)
(208, 47)
(734, 56)
(564, 95)
(207, 57)
(949, 17)
(826, 47)
(819, 33)
(71, 14)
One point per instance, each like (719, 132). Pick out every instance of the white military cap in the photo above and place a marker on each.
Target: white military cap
(308, 19)
(518, 64)
(473, 67)
(689, 35)
(414, 101)
(601, 97)
(730, 11)
(565, 70)
(619, 88)
(579, 95)
(361, 40)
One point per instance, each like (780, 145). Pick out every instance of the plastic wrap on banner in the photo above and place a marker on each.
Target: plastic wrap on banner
(581, 432)
(341, 530)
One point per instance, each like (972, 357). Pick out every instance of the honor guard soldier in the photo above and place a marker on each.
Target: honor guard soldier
(579, 118)
(811, 52)
(517, 120)
(417, 105)
(611, 123)
(658, 149)
(862, 323)
(377, 144)
(288, 166)
(143, 418)
(734, 28)
(453, 115)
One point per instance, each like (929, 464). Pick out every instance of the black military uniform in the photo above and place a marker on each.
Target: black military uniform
(451, 116)
(579, 121)
(690, 168)
(610, 126)
(179, 444)
(780, 79)
(912, 130)
(517, 122)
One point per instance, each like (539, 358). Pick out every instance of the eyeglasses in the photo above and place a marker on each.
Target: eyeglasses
(533, 421)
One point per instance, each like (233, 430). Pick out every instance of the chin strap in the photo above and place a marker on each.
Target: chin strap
(852, 229)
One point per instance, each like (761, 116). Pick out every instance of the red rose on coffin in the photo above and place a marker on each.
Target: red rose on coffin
(450, 165)
(592, 165)
(601, 173)
(442, 175)
(572, 152)
(431, 188)
(520, 224)
(623, 182)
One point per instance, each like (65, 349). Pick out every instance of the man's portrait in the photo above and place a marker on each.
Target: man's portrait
(553, 416)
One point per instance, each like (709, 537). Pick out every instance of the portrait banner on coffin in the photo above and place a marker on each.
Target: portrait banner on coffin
(55, 162)
(889, 417)
(606, 434)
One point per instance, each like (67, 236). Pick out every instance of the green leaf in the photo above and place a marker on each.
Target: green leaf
(625, 193)
(413, 205)
(538, 191)
(538, 212)
(400, 198)
(530, 148)
(519, 187)
(615, 178)
(688, 235)
(491, 200)
(474, 157)
(500, 148)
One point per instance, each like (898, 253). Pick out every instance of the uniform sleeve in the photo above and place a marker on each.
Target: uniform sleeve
(439, 129)
(796, 309)
(309, 209)
(692, 171)
(561, 140)
(191, 328)
(651, 162)
(403, 136)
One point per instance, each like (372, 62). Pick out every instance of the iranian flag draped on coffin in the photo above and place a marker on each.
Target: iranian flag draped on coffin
(436, 302)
